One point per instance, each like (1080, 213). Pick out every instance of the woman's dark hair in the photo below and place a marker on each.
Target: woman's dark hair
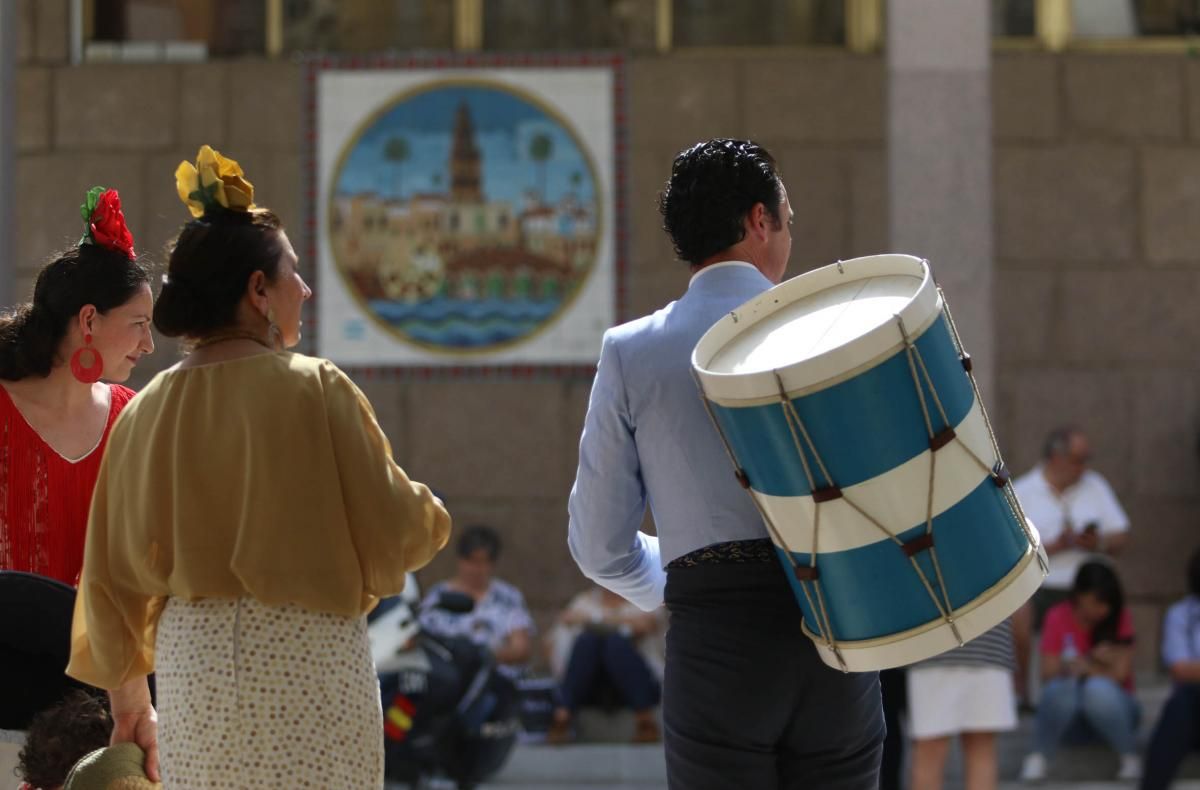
(1099, 579)
(1193, 574)
(713, 186)
(62, 735)
(478, 537)
(210, 263)
(30, 334)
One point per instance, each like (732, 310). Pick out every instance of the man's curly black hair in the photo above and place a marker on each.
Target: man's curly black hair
(62, 735)
(713, 186)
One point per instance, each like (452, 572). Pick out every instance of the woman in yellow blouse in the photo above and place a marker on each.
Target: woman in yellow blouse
(247, 514)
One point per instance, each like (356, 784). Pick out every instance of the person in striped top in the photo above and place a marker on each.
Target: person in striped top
(965, 693)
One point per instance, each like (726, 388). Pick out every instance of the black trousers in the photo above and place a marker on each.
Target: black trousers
(747, 702)
(894, 684)
(600, 661)
(1176, 734)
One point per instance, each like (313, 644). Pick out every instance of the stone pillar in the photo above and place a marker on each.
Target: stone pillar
(8, 144)
(939, 157)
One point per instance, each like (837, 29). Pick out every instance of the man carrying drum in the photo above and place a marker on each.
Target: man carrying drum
(747, 701)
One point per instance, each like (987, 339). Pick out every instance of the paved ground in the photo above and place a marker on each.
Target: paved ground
(1190, 785)
(619, 767)
(625, 767)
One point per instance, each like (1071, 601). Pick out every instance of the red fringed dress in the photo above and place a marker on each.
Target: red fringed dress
(45, 498)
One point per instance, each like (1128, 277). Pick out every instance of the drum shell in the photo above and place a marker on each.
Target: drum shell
(865, 431)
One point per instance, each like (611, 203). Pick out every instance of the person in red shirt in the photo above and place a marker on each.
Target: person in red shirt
(89, 321)
(1087, 673)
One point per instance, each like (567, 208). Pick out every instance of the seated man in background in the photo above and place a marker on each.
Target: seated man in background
(605, 648)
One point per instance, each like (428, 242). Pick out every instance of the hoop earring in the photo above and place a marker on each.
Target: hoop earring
(89, 371)
(274, 333)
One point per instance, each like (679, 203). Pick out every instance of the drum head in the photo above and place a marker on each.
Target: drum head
(816, 324)
(817, 328)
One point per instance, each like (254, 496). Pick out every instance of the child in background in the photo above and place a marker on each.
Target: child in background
(60, 736)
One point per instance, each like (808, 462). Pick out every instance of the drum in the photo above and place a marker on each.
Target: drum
(850, 414)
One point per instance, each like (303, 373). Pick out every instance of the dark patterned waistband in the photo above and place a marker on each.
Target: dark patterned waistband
(734, 552)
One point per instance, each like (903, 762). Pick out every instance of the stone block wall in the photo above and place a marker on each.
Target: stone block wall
(1097, 180)
(1097, 169)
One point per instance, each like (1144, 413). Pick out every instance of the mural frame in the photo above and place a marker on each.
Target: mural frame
(474, 363)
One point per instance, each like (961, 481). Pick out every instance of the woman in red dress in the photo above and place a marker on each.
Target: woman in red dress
(89, 320)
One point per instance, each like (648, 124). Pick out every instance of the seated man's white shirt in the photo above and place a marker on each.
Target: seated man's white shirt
(1090, 501)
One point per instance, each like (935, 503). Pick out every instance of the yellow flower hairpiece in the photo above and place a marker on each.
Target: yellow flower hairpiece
(212, 182)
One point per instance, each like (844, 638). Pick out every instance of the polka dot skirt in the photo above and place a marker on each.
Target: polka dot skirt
(254, 696)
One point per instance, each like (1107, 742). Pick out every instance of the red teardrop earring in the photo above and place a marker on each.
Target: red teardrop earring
(86, 363)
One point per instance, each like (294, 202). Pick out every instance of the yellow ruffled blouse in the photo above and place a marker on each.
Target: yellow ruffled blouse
(265, 476)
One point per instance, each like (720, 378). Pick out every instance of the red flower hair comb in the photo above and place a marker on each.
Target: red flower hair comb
(105, 222)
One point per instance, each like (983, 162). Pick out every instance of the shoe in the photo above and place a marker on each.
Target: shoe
(1034, 768)
(560, 729)
(646, 730)
(1131, 768)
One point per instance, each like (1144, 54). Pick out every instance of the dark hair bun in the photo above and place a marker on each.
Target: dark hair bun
(210, 264)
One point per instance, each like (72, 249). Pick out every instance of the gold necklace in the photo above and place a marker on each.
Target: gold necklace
(222, 337)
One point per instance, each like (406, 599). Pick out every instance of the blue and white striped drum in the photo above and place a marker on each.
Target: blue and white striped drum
(850, 414)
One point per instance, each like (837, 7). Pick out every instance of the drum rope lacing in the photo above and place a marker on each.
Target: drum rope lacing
(825, 626)
(740, 473)
(810, 574)
(829, 492)
(936, 442)
(998, 472)
(776, 537)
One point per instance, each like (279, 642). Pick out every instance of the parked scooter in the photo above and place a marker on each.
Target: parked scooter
(448, 712)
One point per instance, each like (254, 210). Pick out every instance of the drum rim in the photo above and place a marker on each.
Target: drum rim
(830, 367)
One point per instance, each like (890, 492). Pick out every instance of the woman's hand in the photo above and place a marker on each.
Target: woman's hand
(1112, 660)
(136, 721)
(1075, 668)
(1104, 653)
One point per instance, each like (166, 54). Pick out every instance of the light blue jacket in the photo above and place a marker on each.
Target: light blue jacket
(647, 439)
